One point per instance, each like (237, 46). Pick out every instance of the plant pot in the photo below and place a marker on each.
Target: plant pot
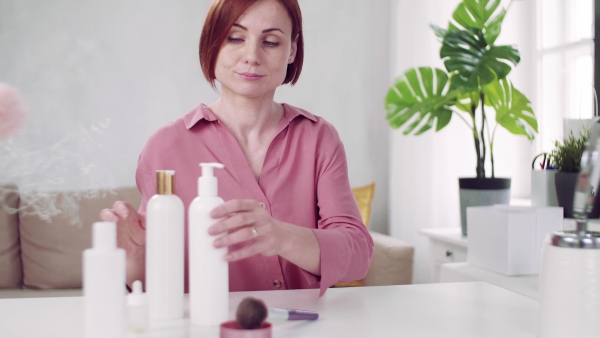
(565, 183)
(479, 192)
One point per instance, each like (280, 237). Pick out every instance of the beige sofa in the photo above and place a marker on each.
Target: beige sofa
(42, 258)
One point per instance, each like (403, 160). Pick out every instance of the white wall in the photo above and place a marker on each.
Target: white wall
(100, 76)
(125, 67)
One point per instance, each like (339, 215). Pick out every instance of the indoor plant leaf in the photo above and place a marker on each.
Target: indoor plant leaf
(566, 155)
(439, 31)
(485, 15)
(419, 96)
(513, 109)
(476, 63)
(467, 100)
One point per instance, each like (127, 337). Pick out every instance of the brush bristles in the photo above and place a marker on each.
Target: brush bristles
(251, 313)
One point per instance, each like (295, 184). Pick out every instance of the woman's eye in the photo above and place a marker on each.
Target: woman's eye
(271, 43)
(234, 40)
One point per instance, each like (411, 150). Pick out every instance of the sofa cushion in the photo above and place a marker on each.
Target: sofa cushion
(11, 275)
(392, 261)
(52, 250)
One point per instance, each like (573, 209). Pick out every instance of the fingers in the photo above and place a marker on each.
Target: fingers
(233, 222)
(234, 206)
(130, 224)
(242, 235)
(263, 245)
(107, 215)
(243, 221)
(123, 209)
(134, 222)
(120, 211)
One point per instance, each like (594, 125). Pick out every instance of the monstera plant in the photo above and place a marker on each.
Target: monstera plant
(473, 87)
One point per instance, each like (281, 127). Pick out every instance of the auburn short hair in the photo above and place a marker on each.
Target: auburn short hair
(219, 20)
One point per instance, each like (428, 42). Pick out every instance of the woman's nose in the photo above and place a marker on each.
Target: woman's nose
(252, 54)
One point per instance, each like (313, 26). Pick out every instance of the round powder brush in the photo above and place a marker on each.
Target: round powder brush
(251, 313)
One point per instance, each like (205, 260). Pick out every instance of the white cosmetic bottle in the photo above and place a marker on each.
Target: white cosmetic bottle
(104, 284)
(137, 308)
(209, 271)
(165, 250)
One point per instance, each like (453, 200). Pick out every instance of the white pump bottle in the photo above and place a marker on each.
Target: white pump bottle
(208, 269)
(165, 250)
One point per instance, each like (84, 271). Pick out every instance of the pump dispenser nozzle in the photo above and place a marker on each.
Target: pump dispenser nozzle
(207, 183)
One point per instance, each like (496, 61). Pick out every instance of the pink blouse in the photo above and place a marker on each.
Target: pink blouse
(304, 181)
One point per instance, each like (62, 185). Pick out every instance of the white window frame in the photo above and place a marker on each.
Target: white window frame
(548, 121)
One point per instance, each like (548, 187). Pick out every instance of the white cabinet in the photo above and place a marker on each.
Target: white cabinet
(446, 245)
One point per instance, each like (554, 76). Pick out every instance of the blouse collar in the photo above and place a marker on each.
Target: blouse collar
(203, 112)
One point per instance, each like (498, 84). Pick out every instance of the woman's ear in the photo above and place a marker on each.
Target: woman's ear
(293, 50)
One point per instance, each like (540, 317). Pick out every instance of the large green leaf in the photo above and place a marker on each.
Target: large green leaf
(419, 98)
(465, 101)
(513, 109)
(476, 63)
(485, 15)
(439, 31)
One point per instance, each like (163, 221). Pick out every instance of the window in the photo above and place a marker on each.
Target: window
(565, 64)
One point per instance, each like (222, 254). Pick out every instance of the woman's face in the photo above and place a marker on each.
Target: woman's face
(253, 58)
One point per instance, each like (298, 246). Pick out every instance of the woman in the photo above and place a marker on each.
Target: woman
(290, 220)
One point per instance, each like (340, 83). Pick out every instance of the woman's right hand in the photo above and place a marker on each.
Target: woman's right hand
(131, 236)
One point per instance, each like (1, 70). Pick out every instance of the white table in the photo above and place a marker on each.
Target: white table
(526, 285)
(475, 309)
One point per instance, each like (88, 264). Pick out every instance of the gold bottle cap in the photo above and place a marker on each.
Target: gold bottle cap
(165, 182)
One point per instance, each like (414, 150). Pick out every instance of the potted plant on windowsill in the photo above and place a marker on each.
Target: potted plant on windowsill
(566, 159)
(473, 85)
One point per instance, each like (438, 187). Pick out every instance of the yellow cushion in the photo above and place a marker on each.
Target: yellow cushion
(364, 198)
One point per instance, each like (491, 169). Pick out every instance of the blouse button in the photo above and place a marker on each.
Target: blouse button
(277, 283)
(262, 205)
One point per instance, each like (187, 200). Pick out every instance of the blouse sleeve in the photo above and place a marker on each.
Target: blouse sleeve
(345, 243)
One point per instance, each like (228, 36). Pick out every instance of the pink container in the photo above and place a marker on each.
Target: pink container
(232, 329)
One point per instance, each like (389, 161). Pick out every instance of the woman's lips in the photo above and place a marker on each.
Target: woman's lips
(250, 76)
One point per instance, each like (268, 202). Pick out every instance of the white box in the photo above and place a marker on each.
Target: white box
(508, 239)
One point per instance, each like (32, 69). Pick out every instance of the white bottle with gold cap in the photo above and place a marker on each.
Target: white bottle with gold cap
(165, 250)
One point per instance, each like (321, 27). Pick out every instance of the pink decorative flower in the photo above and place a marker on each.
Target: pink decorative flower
(12, 110)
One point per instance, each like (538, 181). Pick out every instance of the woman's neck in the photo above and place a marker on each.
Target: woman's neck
(253, 124)
(243, 116)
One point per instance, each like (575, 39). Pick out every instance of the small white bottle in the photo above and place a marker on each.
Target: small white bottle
(165, 250)
(104, 284)
(137, 308)
(209, 271)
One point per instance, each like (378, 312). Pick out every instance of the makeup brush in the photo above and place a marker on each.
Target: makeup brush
(251, 313)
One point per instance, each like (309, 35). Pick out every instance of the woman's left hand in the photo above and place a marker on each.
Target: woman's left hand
(247, 220)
